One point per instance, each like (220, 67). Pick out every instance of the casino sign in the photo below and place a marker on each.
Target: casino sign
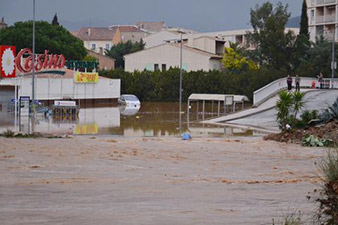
(9, 61)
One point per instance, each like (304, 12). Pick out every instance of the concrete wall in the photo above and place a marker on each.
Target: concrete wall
(169, 55)
(6, 94)
(215, 64)
(159, 38)
(65, 88)
(205, 44)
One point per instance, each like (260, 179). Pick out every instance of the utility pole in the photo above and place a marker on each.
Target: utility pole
(33, 63)
(333, 56)
(181, 86)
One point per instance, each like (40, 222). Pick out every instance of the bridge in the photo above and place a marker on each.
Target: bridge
(276, 86)
(262, 116)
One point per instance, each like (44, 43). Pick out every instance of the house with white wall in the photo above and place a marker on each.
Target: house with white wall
(167, 55)
(97, 39)
(160, 38)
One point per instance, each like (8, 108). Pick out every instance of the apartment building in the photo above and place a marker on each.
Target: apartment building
(323, 19)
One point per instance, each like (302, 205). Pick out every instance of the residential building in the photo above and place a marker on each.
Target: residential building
(160, 38)
(209, 44)
(233, 36)
(200, 54)
(124, 33)
(240, 37)
(323, 19)
(97, 39)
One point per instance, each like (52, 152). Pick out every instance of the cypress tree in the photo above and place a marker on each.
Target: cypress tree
(304, 22)
(55, 20)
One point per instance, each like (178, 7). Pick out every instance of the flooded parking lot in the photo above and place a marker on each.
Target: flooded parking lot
(152, 119)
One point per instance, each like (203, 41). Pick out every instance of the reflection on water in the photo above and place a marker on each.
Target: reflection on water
(152, 119)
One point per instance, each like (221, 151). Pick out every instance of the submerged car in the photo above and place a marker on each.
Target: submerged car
(129, 101)
(128, 111)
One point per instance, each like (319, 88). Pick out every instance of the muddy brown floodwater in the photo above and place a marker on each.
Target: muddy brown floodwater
(134, 180)
(153, 119)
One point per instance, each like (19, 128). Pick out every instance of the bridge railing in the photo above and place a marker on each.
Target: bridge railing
(274, 87)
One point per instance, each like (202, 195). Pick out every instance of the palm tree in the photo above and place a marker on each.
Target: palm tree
(298, 102)
(284, 105)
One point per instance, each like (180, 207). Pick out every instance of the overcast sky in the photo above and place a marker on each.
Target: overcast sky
(199, 15)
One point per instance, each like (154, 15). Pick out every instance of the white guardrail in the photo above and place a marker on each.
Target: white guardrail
(274, 87)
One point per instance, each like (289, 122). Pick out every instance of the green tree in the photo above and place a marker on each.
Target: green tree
(304, 22)
(302, 44)
(235, 62)
(273, 45)
(318, 60)
(90, 58)
(288, 106)
(284, 105)
(118, 51)
(298, 102)
(55, 39)
(55, 20)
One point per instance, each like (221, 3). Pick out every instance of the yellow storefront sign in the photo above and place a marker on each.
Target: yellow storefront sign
(92, 128)
(81, 77)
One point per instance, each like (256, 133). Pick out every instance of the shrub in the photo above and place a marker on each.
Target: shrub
(313, 141)
(330, 113)
(328, 199)
(309, 115)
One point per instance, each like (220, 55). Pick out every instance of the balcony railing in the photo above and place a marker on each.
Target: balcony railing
(330, 18)
(322, 2)
(320, 19)
(326, 19)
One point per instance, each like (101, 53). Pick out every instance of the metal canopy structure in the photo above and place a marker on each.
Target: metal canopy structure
(226, 100)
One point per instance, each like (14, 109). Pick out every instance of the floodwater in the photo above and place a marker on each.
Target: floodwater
(151, 120)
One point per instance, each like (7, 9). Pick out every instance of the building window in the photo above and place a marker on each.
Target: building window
(156, 68)
(93, 46)
(164, 67)
(107, 47)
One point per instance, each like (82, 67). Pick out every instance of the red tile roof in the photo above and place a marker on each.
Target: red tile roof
(127, 28)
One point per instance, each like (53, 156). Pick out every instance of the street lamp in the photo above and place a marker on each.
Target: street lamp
(333, 66)
(180, 108)
(33, 62)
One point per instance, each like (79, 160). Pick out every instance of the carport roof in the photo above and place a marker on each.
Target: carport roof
(217, 97)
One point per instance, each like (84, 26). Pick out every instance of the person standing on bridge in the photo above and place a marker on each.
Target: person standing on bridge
(320, 80)
(297, 81)
(289, 82)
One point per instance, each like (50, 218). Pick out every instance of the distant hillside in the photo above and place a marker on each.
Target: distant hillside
(294, 22)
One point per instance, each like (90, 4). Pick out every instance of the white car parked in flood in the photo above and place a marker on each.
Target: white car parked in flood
(129, 101)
